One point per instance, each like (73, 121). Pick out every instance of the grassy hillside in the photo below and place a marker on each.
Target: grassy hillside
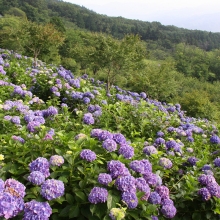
(71, 151)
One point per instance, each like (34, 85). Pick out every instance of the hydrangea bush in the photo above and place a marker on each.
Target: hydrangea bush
(71, 151)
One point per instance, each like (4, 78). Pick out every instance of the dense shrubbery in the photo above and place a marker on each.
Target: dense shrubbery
(71, 151)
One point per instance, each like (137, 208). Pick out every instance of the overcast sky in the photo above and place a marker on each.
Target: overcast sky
(190, 14)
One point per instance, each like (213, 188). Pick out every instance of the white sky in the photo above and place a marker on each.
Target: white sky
(191, 14)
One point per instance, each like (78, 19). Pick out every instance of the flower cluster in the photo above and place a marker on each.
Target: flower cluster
(88, 155)
(37, 210)
(98, 195)
(36, 177)
(56, 160)
(165, 162)
(52, 189)
(42, 165)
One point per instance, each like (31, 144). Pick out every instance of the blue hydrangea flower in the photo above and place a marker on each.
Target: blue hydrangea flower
(154, 198)
(142, 185)
(204, 192)
(37, 210)
(110, 145)
(88, 119)
(117, 168)
(217, 162)
(126, 150)
(152, 179)
(119, 138)
(36, 177)
(88, 155)
(169, 211)
(98, 195)
(126, 183)
(166, 201)
(105, 135)
(130, 199)
(192, 161)
(52, 189)
(41, 164)
(104, 178)
(215, 139)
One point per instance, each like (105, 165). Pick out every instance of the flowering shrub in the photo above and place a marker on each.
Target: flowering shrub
(71, 151)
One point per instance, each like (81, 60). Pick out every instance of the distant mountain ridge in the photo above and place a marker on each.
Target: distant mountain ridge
(81, 17)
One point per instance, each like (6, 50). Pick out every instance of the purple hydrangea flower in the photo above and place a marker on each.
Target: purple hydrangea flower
(37, 210)
(166, 201)
(159, 141)
(217, 162)
(18, 138)
(105, 135)
(16, 120)
(206, 179)
(169, 211)
(141, 166)
(163, 191)
(119, 138)
(165, 162)
(117, 168)
(41, 164)
(160, 134)
(153, 179)
(56, 160)
(110, 145)
(170, 144)
(88, 155)
(86, 100)
(104, 178)
(51, 111)
(10, 205)
(52, 189)
(130, 199)
(15, 188)
(154, 198)
(98, 195)
(215, 139)
(32, 125)
(214, 189)
(192, 160)
(153, 217)
(91, 108)
(206, 167)
(126, 150)
(142, 185)
(88, 119)
(126, 183)
(204, 192)
(148, 150)
(2, 186)
(96, 132)
(36, 177)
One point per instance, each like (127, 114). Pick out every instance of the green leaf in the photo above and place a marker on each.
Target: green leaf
(64, 179)
(74, 212)
(65, 211)
(69, 199)
(113, 199)
(80, 195)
